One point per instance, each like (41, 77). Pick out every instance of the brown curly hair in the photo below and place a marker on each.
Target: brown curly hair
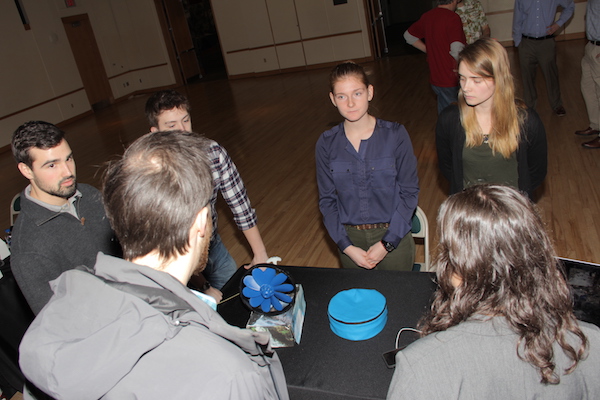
(493, 240)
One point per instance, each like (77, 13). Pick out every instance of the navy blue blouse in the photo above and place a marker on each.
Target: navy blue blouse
(377, 184)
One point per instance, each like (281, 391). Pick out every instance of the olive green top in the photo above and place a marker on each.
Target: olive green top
(481, 166)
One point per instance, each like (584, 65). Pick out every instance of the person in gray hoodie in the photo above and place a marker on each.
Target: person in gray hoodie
(131, 328)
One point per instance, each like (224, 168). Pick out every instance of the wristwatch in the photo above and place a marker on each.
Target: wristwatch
(388, 246)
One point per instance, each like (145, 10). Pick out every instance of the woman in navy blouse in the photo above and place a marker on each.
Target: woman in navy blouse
(367, 177)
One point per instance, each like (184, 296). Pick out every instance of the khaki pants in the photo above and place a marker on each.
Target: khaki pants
(590, 83)
(401, 259)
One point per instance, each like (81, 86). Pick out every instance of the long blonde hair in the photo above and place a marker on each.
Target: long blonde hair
(488, 59)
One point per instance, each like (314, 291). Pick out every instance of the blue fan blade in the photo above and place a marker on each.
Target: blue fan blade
(276, 304)
(278, 279)
(266, 305)
(286, 287)
(250, 282)
(257, 274)
(256, 301)
(250, 293)
(263, 277)
(269, 273)
(283, 297)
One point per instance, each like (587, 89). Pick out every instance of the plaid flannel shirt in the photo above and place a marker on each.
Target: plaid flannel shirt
(228, 181)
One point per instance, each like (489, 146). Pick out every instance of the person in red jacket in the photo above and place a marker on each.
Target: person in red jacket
(439, 33)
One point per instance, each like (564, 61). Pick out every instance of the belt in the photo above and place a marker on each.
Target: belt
(538, 38)
(596, 42)
(369, 226)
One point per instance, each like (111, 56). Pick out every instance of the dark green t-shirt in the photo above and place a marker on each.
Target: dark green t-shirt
(481, 166)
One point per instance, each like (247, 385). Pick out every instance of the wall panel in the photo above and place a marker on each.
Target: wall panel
(312, 18)
(311, 32)
(283, 19)
(73, 104)
(346, 48)
(290, 55)
(319, 51)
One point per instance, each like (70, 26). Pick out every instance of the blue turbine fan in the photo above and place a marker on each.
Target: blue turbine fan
(267, 289)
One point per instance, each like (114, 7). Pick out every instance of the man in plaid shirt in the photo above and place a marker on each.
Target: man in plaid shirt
(168, 110)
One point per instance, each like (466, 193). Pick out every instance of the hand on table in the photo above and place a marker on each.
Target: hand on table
(214, 293)
(270, 260)
(258, 259)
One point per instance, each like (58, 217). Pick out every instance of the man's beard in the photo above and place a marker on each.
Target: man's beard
(62, 192)
(203, 257)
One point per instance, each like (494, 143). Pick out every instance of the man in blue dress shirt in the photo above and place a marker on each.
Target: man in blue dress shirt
(534, 26)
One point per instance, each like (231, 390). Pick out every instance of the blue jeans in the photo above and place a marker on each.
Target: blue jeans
(445, 96)
(220, 266)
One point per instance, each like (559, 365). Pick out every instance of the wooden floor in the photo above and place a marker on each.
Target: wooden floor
(270, 126)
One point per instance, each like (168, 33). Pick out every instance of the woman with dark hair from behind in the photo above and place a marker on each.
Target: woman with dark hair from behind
(501, 325)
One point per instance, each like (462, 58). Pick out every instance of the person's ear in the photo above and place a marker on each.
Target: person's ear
(153, 129)
(25, 170)
(332, 98)
(370, 91)
(201, 224)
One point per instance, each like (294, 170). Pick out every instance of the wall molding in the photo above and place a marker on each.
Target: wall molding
(138, 69)
(42, 103)
(294, 42)
(329, 64)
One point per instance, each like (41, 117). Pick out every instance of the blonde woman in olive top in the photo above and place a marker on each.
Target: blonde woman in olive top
(490, 137)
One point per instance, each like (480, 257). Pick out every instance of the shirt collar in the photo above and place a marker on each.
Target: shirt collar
(67, 207)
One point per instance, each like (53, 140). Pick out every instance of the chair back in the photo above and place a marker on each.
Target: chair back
(15, 208)
(420, 230)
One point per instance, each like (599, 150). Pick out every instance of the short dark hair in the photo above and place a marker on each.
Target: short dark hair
(39, 134)
(153, 194)
(444, 2)
(345, 69)
(164, 100)
(493, 238)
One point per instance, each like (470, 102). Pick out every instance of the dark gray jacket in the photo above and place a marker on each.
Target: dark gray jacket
(97, 341)
(46, 243)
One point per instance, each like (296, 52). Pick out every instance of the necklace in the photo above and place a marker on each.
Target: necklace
(486, 138)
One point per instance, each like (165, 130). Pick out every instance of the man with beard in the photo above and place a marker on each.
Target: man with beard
(62, 224)
(156, 338)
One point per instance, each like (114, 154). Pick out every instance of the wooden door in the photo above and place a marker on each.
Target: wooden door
(378, 28)
(89, 61)
(182, 39)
